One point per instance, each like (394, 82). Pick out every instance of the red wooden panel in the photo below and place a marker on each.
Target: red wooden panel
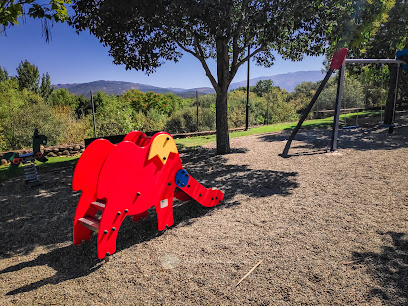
(134, 136)
(131, 184)
(85, 178)
(129, 181)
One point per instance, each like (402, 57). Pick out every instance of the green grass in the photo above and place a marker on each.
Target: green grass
(315, 123)
(53, 162)
(202, 140)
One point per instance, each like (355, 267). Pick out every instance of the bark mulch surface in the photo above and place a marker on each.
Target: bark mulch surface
(329, 228)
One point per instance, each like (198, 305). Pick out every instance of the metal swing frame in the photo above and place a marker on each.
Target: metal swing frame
(339, 62)
(340, 88)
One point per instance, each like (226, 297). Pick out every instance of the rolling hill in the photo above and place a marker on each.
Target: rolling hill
(286, 81)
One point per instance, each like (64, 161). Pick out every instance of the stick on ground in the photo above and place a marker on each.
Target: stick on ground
(250, 271)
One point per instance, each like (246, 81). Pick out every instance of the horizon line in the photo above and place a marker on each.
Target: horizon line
(185, 88)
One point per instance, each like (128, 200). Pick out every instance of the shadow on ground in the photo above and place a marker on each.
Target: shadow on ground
(366, 137)
(390, 268)
(43, 216)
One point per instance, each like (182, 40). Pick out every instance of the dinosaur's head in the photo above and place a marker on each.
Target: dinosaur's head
(162, 145)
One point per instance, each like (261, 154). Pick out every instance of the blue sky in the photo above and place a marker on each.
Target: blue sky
(73, 58)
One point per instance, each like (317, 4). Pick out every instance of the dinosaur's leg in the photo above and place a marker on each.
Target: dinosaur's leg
(111, 220)
(81, 232)
(164, 209)
(86, 179)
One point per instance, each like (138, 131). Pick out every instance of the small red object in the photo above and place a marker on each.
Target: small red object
(338, 59)
(128, 179)
(17, 160)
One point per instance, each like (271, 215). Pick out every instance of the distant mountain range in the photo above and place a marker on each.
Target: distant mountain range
(286, 81)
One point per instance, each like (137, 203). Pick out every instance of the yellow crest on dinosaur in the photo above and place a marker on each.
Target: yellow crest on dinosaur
(162, 146)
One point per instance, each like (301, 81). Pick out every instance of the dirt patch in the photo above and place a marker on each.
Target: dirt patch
(330, 228)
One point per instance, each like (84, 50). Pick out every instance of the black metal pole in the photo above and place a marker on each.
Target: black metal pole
(336, 120)
(305, 113)
(93, 114)
(267, 109)
(391, 127)
(247, 101)
(197, 110)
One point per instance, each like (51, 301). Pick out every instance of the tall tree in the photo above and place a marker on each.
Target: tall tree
(11, 11)
(263, 87)
(3, 74)
(45, 88)
(391, 37)
(28, 76)
(62, 97)
(143, 34)
(387, 34)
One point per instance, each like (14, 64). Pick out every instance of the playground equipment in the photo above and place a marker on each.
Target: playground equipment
(28, 159)
(338, 62)
(397, 61)
(126, 180)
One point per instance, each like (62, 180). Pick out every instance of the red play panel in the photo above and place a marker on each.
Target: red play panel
(128, 179)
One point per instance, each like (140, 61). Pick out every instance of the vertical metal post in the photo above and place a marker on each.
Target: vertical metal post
(382, 89)
(335, 131)
(306, 111)
(197, 110)
(391, 128)
(247, 101)
(93, 114)
(267, 109)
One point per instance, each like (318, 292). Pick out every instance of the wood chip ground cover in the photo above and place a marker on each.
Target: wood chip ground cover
(329, 229)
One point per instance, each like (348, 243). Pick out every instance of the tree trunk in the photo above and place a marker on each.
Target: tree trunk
(223, 145)
(389, 107)
(223, 74)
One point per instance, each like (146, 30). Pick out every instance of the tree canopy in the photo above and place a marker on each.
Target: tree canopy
(11, 11)
(45, 88)
(387, 34)
(144, 34)
(28, 76)
(3, 74)
(263, 87)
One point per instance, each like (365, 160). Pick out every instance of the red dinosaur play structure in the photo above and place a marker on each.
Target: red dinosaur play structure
(127, 179)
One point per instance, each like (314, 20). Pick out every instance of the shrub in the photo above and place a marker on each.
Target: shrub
(183, 121)
(236, 117)
(207, 100)
(21, 112)
(62, 97)
(112, 117)
(237, 108)
(152, 122)
(206, 119)
(280, 110)
(165, 104)
(175, 124)
(76, 130)
(353, 95)
(19, 132)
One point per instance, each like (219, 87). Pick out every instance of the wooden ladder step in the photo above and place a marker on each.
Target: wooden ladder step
(91, 223)
(98, 204)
